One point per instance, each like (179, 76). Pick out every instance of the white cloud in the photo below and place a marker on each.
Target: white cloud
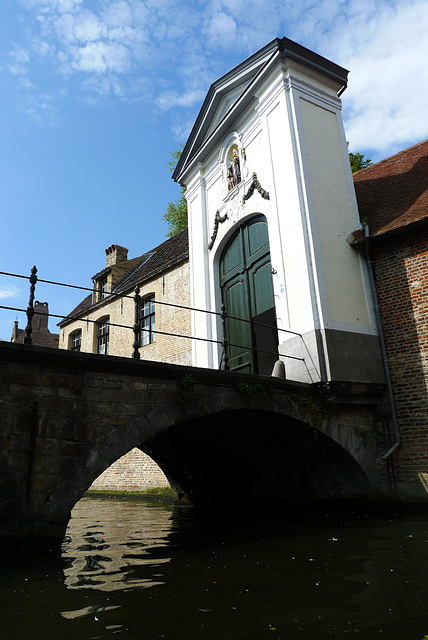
(52, 5)
(182, 130)
(26, 83)
(388, 85)
(88, 27)
(8, 291)
(19, 60)
(42, 108)
(178, 47)
(100, 57)
(221, 30)
(118, 14)
(169, 99)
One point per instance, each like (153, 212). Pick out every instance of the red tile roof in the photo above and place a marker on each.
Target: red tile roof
(393, 193)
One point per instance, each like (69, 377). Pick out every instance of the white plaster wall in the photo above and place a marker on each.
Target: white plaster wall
(344, 282)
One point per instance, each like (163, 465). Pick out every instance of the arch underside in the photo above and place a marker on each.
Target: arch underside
(252, 457)
(226, 459)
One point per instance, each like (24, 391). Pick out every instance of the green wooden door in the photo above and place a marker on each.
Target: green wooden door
(247, 292)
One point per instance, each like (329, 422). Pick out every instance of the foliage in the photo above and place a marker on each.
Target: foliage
(132, 494)
(176, 211)
(248, 389)
(358, 161)
(160, 492)
(316, 405)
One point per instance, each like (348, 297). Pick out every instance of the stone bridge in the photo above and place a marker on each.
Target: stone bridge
(227, 440)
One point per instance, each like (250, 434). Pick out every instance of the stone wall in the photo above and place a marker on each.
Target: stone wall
(134, 471)
(401, 269)
(221, 436)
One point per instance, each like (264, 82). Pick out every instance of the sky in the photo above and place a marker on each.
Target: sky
(96, 93)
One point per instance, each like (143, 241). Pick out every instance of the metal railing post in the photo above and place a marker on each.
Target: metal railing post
(136, 327)
(30, 309)
(224, 342)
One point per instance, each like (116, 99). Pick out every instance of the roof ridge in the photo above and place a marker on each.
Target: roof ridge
(393, 155)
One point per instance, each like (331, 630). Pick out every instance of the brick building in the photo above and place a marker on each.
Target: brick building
(40, 334)
(392, 199)
(102, 323)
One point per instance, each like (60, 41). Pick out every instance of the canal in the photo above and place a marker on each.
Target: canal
(140, 570)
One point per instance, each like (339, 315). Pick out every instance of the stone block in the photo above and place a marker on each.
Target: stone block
(113, 446)
(144, 429)
(94, 462)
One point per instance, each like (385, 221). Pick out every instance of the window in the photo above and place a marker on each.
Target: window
(147, 321)
(102, 336)
(103, 288)
(75, 340)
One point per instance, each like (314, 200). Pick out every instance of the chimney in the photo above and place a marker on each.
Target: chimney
(41, 315)
(15, 331)
(116, 254)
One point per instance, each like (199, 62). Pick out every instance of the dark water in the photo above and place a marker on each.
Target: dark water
(141, 571)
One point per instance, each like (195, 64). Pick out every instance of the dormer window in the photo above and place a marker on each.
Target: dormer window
(233, 167)
(103, 288)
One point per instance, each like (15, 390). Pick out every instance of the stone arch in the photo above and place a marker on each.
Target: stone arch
(340, 444)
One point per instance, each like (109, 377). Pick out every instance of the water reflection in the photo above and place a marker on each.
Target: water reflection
(140, 571)
(110, 542)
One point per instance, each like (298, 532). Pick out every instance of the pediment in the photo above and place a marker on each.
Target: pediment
(226, 102)
(231, 94)
(223, 95)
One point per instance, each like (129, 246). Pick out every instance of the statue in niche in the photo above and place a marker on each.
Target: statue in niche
(233, 174)
(230, 183)
(236, 169)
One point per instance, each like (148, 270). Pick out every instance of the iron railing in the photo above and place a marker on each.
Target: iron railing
(136, 329)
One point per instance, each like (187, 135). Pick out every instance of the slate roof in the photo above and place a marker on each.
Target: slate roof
(156, 261)
(393, 193)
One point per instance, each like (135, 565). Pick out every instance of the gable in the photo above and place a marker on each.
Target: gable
(230, 95)
(226, 103)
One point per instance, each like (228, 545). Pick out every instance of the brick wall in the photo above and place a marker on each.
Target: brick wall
(135, 471)
(401, 269)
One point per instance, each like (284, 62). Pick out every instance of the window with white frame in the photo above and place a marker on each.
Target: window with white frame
(147, 321)
(103, 288)
(103, 335)
(75, 340)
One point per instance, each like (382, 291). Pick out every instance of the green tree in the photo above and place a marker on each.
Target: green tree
(358, 161)
(176, 211)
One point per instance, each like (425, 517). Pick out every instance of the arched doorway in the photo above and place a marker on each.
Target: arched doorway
(247, 293)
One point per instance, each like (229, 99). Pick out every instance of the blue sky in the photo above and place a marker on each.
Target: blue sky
(95, 93)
